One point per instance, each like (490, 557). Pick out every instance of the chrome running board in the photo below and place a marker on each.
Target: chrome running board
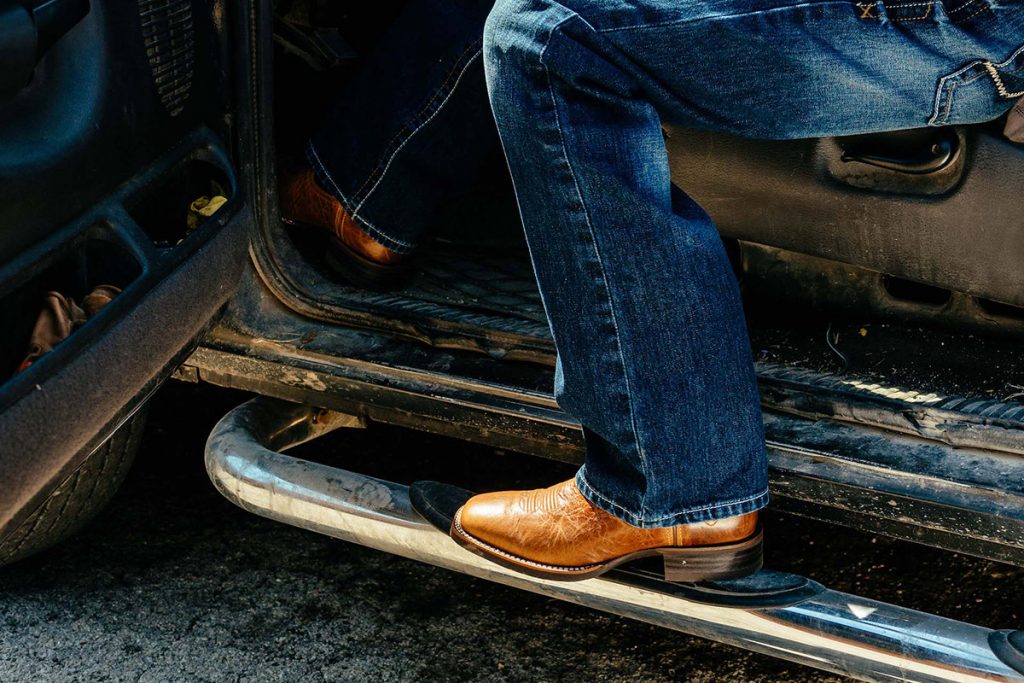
(777, 614)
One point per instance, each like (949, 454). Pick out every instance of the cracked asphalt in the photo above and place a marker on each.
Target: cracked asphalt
(173, 583)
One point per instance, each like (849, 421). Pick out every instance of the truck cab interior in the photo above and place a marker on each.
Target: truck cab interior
(901, 231)
(881, 276)
(879, 268)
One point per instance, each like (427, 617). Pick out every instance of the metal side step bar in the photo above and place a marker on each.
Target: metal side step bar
(777, 614)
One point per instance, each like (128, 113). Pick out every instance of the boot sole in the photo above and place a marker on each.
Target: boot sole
(684, 565)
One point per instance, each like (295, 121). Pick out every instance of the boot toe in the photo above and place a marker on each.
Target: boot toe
(486, 518)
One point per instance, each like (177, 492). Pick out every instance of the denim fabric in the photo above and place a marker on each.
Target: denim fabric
(653, 357)
(412, 127)
(645, 311)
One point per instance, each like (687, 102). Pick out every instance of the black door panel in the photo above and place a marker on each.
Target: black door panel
(121, 240)
(27, 32)
(126, 121)
(958, 225)
(64, 411)
(122, 87)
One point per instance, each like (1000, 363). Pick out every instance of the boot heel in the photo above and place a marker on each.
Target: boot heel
(714, 563)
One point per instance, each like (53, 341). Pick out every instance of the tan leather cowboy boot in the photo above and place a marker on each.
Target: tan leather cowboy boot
(556, 533)
(353, 253)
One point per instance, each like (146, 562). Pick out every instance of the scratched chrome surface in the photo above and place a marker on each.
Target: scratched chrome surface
(827, 629)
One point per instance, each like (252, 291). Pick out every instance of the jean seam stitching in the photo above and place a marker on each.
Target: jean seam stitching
(928, 7)
(593, 241)
(949, 101)
(388, 241)
(1001, 88)
(948, 85)
(440, 108)
(961, 7)
(694, 20)
(402, 131)
(582, 479)
(984, 5)
(1012, 58)
(972, 15)
(944, 99)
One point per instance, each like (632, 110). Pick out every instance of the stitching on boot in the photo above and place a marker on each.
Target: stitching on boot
(465, 535)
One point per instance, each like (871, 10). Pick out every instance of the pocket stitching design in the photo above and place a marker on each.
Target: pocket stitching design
(949, 103)
(900, 5)
(1000, 85)
(1012, 58)
(974, 14)
(948, 84)
(961, 8)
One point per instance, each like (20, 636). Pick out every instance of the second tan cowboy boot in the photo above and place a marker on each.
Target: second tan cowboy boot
(354, 253)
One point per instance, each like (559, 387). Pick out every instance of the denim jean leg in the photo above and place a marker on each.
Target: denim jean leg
(412, 127)
(654, 358)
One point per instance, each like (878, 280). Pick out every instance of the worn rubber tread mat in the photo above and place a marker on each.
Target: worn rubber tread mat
(492, 288)
(485, 299)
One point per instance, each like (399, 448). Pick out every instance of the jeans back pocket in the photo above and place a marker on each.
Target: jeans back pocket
(982, 90)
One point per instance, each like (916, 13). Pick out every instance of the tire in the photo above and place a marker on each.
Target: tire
(78, 498)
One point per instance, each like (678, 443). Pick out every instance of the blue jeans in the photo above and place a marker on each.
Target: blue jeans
(653, 356)
(412, 128)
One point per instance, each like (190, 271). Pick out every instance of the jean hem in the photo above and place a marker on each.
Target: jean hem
(325, 180)
(702, 513)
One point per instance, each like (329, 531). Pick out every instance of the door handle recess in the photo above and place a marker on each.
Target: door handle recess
(27, 31)
(914, 152)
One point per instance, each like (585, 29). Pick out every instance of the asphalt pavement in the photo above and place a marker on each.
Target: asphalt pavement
(173, 583)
